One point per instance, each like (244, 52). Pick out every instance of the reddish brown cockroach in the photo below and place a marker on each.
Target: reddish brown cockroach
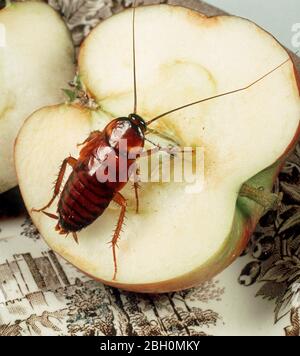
(85, 197)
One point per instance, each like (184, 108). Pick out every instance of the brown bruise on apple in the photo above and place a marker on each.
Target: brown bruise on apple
(171, 229)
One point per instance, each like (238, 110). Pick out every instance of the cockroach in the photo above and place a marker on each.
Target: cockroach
(84, 197)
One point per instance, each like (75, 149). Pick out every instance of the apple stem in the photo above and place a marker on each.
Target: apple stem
(267, 200)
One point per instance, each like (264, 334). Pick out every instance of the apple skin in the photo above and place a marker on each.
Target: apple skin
(47, 69)
(247, 215)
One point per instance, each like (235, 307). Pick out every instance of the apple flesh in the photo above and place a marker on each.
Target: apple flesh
(35, 63)
(177, 240)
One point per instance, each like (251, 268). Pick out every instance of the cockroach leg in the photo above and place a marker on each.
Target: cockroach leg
(52, 216)
(149, 152)
(92, 135)
(120, 200)
(136, 187)
(75, 237)
(68, 161)
(173, 151)
(170, 138)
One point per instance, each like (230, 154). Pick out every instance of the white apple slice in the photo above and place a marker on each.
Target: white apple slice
(36, 61)
(178, 239)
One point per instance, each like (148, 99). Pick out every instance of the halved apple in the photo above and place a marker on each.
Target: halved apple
(178, 239)
(36, 61)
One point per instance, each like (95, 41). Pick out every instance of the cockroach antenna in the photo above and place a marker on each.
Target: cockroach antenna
(152, 143)
(134, 5)
(219, 95)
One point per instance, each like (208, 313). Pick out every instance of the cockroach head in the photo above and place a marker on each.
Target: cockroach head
(138, 121)
(130, 129)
